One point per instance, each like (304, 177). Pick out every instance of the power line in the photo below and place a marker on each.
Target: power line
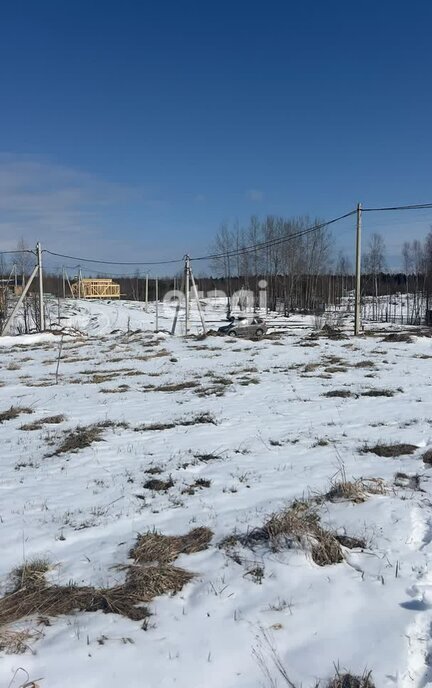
(277, 240)
(418, 206)
(7, 253)
(233, 252)
(112, 262)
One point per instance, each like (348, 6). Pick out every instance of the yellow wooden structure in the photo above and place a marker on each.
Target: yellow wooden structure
(89, 288)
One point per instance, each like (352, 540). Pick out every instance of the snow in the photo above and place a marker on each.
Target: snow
(277, 438)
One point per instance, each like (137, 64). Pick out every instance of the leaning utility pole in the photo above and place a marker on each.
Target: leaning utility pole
(41, 293)
(357, 307)
(8, 322)
(195, 290)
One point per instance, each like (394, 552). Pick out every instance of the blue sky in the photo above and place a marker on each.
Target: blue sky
(133, 129)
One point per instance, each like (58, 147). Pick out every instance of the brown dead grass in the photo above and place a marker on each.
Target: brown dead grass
(390, 450)
(176, 386)
(150, 574)
(347, 680)
(296, 526)
(336, 369)
(378, 393)
(154, 547)
(410, 482)
(356, 491)
(16, 642)
(48, 420)
(158, 484)
(340, 393)
(84, 436)
(13, 412)
(198, 484)
(301, 525)
(427, 457)
(398, 337)
(199, 419)
(80, 438)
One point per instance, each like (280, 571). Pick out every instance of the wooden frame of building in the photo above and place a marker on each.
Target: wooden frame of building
(89, 288)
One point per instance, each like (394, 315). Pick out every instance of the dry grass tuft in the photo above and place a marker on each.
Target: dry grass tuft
(199, 419)
(14, 412)
(345, 492)
(348, 680)
(30, 575)
(15, 642)
(390, 450)
(177, 386)
(378, 393)
(150, 574)
(154, 547)
(159, 485)
(54, 600)
(332, 333)
(409, 482)
(342, 393)
(80, 438)
(427, 457)
(84, 436)
(300, 525)
(198, 484)
(398, 337)
(296, 526)
(48, 420)
(356, 491)
(208, 457)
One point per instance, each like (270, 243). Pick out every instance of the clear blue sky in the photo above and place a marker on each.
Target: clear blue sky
(146, 124)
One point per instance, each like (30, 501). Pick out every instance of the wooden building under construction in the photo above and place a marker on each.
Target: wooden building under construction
(89, 288)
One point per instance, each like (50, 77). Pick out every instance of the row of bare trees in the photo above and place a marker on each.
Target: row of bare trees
(292, 259)
(302, 268)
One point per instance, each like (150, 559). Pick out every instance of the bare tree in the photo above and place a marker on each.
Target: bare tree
(407, 259)
(24, 261)
(374, 262)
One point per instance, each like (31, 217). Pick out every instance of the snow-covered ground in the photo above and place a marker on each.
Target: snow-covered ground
(275, 438)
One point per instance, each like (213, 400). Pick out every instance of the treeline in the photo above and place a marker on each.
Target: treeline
(302, 268)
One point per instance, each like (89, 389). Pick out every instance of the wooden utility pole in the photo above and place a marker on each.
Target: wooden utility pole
(187, 293)
(157, 304)
(146, 293)
(41, 293)
(357, 307)
(64, 283)
(79, 281)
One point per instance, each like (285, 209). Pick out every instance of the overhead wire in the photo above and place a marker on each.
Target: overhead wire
(263, 245)
(233, 252)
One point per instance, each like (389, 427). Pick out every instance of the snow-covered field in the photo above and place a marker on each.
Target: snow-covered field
(268, 435)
